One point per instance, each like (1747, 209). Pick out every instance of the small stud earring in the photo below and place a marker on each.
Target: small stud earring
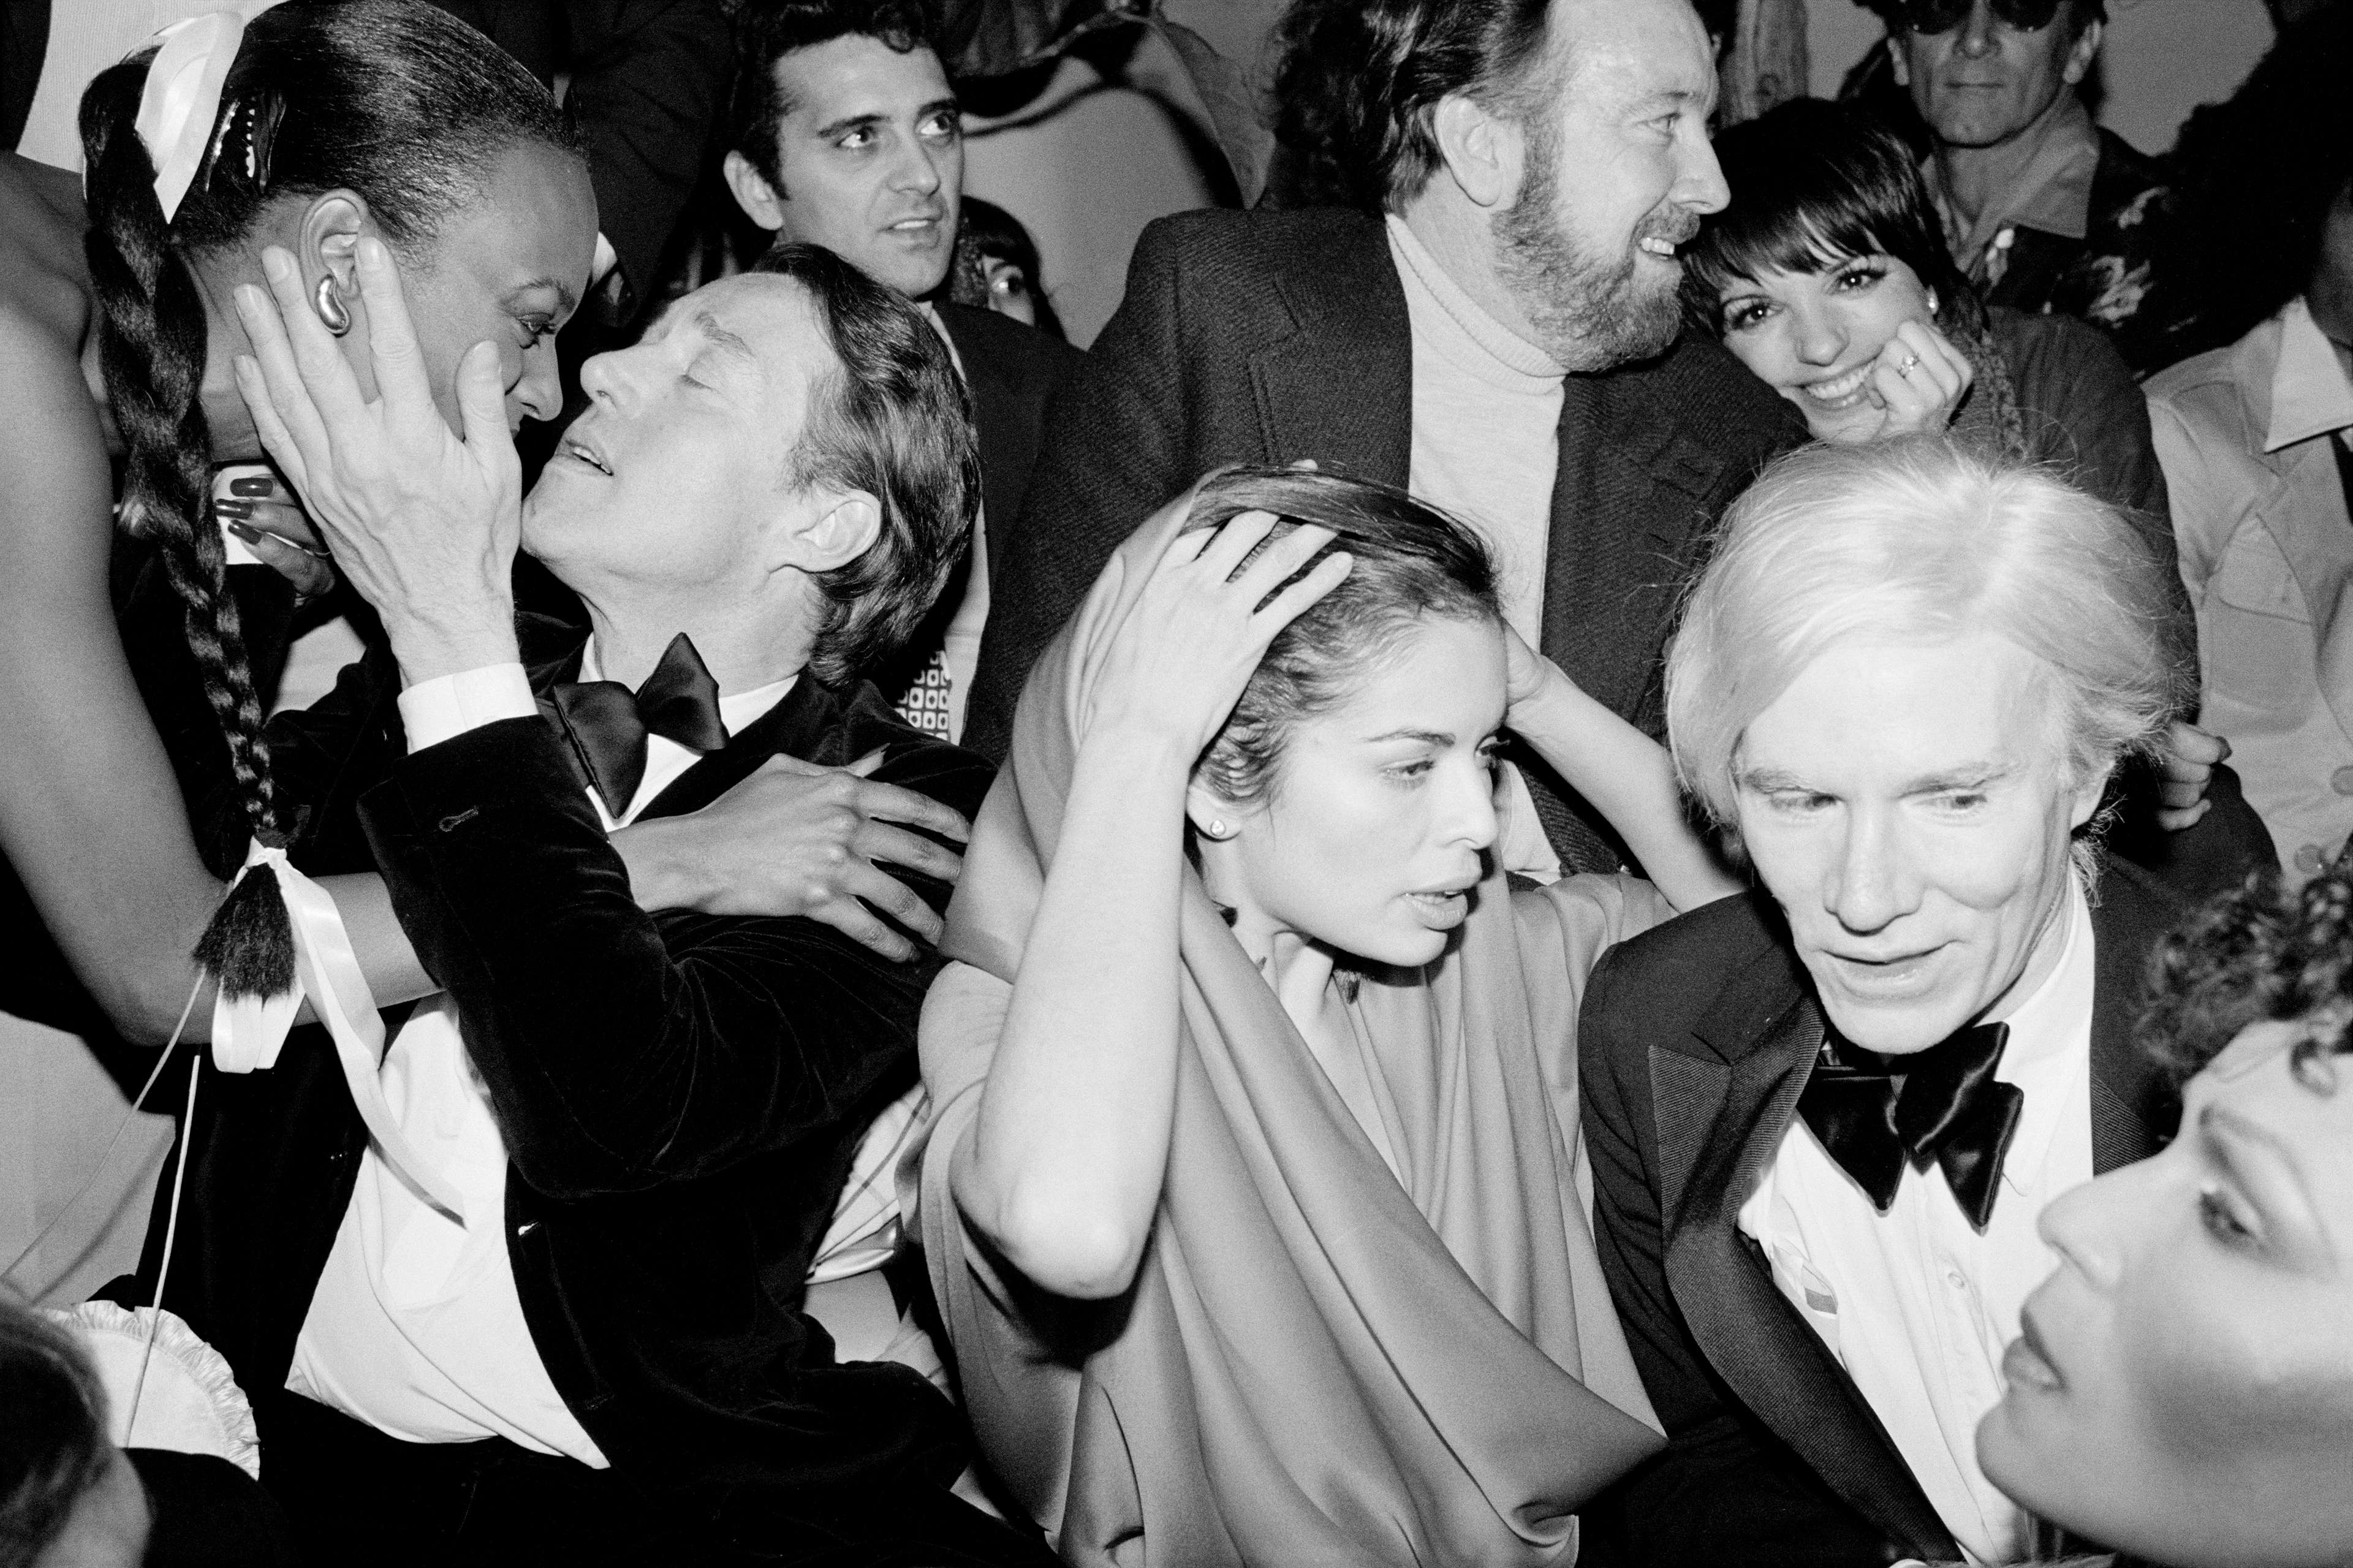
(1217, 828)
(1932, 303)
(329, 301)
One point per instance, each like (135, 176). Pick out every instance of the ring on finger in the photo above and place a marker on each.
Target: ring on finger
(1910, 361)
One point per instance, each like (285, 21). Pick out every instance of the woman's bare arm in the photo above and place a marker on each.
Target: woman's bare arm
(1063, 1165)
(1627, 776)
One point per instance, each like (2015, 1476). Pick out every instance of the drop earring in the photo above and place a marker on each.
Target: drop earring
(329, 302)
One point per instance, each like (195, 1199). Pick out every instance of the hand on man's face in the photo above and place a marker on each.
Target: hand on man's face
(1906, 808)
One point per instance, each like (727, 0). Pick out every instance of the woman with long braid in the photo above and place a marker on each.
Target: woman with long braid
(307, 129)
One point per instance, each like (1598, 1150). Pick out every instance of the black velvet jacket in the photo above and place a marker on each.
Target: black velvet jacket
(680, 1095)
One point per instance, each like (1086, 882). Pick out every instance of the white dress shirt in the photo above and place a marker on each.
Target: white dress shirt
(415, 1328)
(1486, 447)
(1914, 1303)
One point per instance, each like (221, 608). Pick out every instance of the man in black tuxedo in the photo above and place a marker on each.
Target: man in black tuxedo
(844, 132)
(1492, 325)
(562, 1315)
(1823, 1117)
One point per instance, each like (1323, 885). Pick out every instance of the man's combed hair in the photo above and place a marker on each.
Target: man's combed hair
(1360, 80)
(1409, 563)
(1918, 541)
(395, 100)
(768, 30)
(894, 420)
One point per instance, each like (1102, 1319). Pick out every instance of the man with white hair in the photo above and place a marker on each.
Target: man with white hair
(1825, 1118)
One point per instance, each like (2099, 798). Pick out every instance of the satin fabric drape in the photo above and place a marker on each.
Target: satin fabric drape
(1319, 1361)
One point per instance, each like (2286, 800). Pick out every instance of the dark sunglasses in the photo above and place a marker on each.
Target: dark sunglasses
(1943, 15)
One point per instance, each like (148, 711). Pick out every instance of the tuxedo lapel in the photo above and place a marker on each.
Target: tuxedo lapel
(1340, 389)
(1630, 495)
(1720, 1103)
(794, 727)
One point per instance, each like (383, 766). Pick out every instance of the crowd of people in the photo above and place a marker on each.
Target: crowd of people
(1601, 846)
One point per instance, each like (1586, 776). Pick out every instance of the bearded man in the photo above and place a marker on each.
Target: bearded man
(1491, 322)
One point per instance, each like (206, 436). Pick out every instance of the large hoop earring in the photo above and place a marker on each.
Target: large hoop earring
(329, 302)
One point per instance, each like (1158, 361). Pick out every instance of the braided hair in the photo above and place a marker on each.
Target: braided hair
(393, 99)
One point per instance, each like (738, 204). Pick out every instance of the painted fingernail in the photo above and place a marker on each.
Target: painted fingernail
(232, 508)
(253, 485)
(276, 265)
(245, 530)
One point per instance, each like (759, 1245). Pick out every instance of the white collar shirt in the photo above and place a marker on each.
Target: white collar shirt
(1916, 1304)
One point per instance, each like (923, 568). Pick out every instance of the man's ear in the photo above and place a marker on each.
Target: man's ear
(835, 529)
(1896, 63)
(2086, 803)
(1483, 153)
(753, 192)
(2079, 56)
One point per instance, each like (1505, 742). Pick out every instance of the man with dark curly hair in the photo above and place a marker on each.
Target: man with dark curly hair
(1486, 315)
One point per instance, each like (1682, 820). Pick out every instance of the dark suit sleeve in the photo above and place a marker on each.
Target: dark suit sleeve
(1114, 449)
(1724, 1490)
(623, 1051)
(648, 79)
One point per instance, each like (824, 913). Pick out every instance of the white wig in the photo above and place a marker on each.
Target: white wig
(1920, 541)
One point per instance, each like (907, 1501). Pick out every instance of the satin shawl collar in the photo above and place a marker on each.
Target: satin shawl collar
(1313, 1354)
(800, 725)
(1722, 1101)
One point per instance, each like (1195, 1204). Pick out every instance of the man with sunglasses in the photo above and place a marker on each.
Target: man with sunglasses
(2044, 210)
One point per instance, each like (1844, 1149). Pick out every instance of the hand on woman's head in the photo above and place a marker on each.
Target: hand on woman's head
(1191, 641)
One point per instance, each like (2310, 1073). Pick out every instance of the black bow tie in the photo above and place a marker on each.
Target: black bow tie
(1876, 1114)
(607, 723)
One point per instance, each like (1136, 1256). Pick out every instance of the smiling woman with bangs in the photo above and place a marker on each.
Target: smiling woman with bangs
(1828, 277)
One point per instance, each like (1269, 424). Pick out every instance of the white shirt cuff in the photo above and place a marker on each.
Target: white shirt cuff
(447, 706)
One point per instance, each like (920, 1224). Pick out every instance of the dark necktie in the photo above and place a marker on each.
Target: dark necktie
(608, 724)
(1877, 1114)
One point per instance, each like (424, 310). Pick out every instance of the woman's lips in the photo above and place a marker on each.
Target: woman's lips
(2026, 1366)
(1441, 911)
(1842, 390)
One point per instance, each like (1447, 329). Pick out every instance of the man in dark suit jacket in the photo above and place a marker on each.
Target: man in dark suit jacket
(1515, 224)
(844, 132)
(644, 1119)
(1824, 1117)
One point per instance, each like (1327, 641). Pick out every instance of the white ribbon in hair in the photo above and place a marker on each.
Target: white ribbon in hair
(250, 1031)
(182, 98)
